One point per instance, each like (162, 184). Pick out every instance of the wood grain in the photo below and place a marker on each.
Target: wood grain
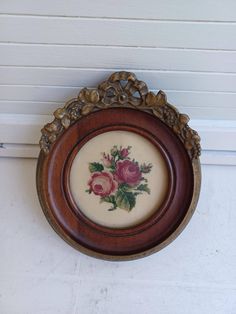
(101, 241)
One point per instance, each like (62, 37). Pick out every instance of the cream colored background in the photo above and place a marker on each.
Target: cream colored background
(142, 151)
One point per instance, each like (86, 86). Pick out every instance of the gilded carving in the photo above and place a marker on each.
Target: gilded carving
(122, 89)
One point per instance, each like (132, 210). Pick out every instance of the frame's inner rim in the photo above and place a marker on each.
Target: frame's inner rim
(110, 252)
(143, 225)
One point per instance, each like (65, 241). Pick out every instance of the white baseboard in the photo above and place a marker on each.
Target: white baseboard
(19, 136)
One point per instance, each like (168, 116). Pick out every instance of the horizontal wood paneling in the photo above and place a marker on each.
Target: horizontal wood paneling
(215, 135)
(117, 33)
(208, 10)
(19, 150)
(45, 99)
(225, 158)
(177, 80)
(51, 49)
(194, 111)
(118, 58)
(28, 107)
(40, 93)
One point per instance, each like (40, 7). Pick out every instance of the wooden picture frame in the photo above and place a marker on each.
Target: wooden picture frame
(121, 110)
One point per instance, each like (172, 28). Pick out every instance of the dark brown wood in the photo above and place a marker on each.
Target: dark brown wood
(100, 239)
(59, 149)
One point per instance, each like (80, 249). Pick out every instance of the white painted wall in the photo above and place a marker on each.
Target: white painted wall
(49, 50)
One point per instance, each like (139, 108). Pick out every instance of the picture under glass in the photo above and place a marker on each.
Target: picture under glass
(118, 179)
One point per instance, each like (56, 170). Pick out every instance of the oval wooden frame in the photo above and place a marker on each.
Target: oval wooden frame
(111, 107)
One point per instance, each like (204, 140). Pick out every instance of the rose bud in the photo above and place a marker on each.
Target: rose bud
(124, 152)
(114, 151)
(107, 160)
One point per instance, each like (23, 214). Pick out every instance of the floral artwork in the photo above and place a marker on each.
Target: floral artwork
(117, 179)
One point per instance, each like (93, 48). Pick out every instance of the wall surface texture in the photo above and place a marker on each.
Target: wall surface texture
(49, 50)
(41, 274)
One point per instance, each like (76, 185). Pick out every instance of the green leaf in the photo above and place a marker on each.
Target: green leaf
(110, 199)
(112, 208)
(146, 168)
(95, 166)
(114, 151)
(125, 187)
(113, 166)
(143, 187)
(125, 200)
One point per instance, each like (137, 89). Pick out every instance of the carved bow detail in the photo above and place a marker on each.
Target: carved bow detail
(122, 89)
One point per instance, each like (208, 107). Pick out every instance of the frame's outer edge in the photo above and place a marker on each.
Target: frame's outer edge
(122, 97)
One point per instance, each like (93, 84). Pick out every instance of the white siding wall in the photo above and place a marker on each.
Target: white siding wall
(49, 50)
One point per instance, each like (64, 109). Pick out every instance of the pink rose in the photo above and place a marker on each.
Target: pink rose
(124, 152)
(102, 183)
(107, 160)
(128, 172)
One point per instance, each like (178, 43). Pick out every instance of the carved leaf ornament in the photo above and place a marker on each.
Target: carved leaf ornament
(122, 89)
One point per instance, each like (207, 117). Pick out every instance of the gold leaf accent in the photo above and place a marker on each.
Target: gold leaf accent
(122, 89)
(52, 137)
(51, 127)
(59, 113)
(87, 109)
(183, 118)
(65, 121)
(151, 99)
(161, 98)
(89, 96)
(94, 96)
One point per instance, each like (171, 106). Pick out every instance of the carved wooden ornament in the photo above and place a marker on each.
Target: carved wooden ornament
(118, 173)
